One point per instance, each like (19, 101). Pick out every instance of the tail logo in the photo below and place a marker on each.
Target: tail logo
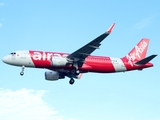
(137, 52)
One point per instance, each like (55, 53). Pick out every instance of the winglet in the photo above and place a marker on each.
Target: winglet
(110, 29)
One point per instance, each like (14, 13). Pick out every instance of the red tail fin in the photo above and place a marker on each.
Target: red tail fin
(138, 52)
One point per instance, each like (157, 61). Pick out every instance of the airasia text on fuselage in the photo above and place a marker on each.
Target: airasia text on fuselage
(46, 55)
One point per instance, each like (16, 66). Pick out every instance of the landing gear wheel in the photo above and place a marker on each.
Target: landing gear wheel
(21, 73)
(71, 81)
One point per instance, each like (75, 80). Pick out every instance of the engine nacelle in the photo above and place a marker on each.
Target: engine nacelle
(59, 61)
(53, 76)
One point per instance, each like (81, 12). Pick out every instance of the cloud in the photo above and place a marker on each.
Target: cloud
(144, 23)
(26, 104)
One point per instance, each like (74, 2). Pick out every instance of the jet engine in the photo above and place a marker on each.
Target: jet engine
(53, 76)
(58, 61)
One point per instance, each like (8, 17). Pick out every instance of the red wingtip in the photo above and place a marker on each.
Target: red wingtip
(110, 29)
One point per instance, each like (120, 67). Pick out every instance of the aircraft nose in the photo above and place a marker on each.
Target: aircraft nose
(5, 59)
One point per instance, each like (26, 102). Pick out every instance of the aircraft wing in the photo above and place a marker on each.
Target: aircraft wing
(79, 56)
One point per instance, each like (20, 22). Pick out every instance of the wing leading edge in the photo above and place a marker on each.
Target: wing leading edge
(79, 55)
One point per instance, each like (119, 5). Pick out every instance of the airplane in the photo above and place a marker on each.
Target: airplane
(61, 65)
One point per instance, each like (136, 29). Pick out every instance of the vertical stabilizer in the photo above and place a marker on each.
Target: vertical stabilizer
(138, 52)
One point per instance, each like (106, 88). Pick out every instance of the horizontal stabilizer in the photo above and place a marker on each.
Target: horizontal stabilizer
(145, 60)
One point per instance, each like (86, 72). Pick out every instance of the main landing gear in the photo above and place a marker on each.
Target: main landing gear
(75, 72)
(22, 72)
(71, 81)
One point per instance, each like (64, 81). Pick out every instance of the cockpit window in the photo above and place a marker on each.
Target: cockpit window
(13, 53)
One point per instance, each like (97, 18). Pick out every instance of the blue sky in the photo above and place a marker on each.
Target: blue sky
(64, 26)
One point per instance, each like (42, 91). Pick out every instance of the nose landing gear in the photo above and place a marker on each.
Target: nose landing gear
(22, 72)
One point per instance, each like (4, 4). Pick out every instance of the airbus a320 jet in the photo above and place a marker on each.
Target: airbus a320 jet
(81, 61)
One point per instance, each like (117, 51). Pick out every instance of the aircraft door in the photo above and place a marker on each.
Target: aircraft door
(23, 54)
